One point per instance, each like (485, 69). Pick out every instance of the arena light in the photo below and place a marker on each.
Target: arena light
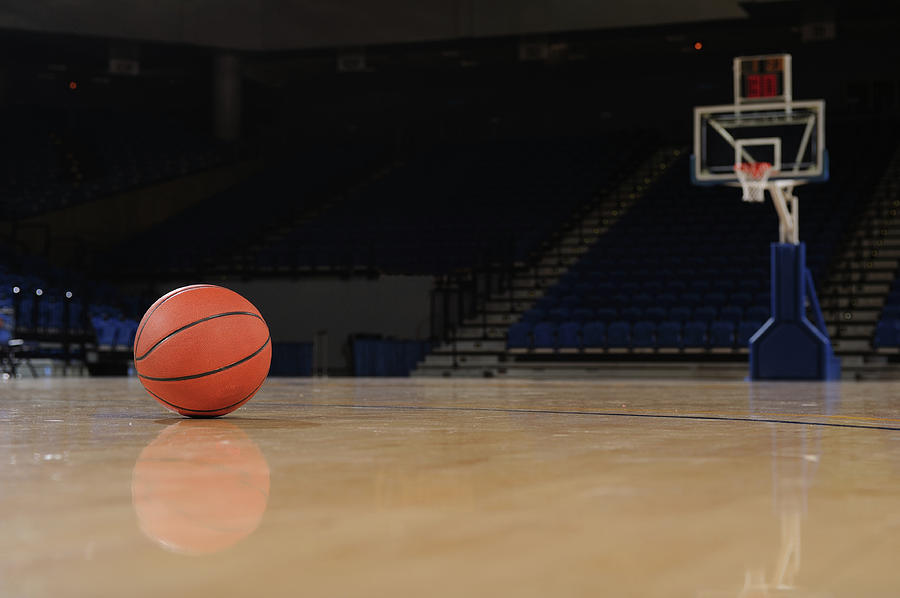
(68, 294)
(39, 292)
(17, 290)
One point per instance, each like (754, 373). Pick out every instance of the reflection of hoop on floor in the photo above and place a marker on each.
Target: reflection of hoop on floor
(753, 177)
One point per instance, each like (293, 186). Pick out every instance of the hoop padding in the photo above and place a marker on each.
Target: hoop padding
(753, 177)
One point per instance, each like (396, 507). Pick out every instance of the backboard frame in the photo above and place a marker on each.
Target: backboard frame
(759, 114)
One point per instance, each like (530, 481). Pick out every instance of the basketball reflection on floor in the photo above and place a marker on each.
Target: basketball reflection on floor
(200, 487)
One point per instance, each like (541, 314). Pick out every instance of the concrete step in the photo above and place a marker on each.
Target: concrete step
(855, 273)
(880, 288)
(840, 330)
(851, 301)
(507, 305)
(479, 332)
(504, 319)
(854, 316)
(851, 345)
(473, 346)
(445, 360)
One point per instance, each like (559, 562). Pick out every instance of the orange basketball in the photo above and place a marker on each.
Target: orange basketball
(202, 350)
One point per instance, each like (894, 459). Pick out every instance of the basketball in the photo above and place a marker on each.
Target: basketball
(202, 350)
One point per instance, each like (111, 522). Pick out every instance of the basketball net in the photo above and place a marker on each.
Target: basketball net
(753, 178)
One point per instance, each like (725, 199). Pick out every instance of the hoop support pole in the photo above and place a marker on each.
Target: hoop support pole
(788, 208)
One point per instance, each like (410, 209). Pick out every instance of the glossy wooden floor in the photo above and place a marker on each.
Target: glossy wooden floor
(453, 488)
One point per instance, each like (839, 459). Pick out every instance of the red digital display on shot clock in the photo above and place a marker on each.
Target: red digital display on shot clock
(761, 86)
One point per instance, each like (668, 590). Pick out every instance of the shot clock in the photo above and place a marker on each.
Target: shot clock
(762, 78)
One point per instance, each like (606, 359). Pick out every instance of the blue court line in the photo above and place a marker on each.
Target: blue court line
(601, 414)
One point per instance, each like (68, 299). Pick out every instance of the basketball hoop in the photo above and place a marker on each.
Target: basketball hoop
(753, 177)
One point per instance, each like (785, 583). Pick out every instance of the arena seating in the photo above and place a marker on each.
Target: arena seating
(54, 159)
(208, 234)
(458, 206)
(49, 307)
(687, 267)
(887, 331)
(386, 357)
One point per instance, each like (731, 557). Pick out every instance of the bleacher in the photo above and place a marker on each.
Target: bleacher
(458, 206)
(213, 233)
(887, 331)
(51, 159)
(686, 269)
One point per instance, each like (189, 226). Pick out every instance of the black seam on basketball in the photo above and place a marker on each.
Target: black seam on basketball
(248, 397)
(147, 316)
(201, 320)
(211, 372)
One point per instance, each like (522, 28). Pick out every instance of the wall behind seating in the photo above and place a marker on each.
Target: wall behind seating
(295, 310)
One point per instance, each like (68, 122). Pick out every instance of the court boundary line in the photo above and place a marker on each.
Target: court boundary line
(600, 414)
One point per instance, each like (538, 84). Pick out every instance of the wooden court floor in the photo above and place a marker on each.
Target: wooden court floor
(453, 488)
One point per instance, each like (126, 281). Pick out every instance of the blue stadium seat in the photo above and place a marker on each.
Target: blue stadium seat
(570, 335)
(714, 298)
(583, 289)
(680, 313)
(741, 299)
(570, 301)
(705, 314)
(668, 335)
(666, 299)
(559, 314)
(695, 334)
(757, 313)
(676, 287)
(731, 313)
(721, 335)
(642, 299)
(632, 314)
(643, 334)
(594, 335)
(533, 315)
(620, 300)
(690, 299)
(723, 285)
(891, 312)
(545, 335)
(886, 334)
(745, 331)
(519, 336)
(606, 314)
(583, 314)
(655, 314)
(618, 335)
